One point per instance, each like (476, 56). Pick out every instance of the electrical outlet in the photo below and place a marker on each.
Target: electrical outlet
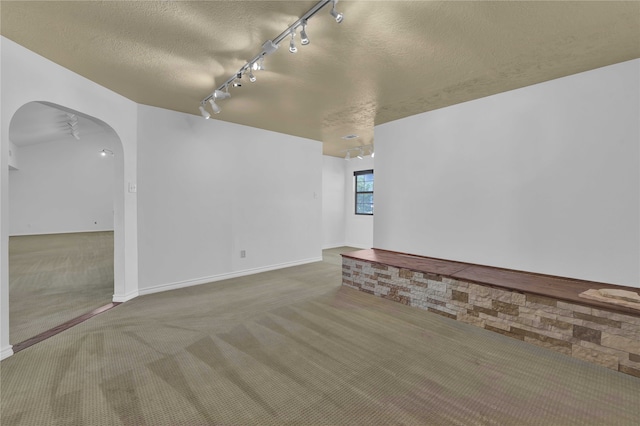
(243, 253)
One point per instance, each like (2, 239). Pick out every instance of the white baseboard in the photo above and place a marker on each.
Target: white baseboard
(125, 298)
(357, 245)
(334, 245)
(31, 234)
(220, 277)
(6, 352)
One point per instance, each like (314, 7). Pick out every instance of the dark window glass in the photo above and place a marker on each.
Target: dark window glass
(364, 191)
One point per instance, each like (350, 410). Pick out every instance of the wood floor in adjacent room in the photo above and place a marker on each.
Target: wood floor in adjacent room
(57, 277)
(294, 347)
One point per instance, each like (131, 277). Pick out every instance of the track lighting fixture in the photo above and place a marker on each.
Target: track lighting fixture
(268, 47)
(72, 122)
(204, 113)
(214, 107)
(304, 40)
(219, 94)
(105, 152)
(338, 16)
(292, 43)
(360, 152)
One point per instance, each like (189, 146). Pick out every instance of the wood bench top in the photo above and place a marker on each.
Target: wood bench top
(565, 289)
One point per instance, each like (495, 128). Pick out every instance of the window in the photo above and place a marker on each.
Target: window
(364, 191)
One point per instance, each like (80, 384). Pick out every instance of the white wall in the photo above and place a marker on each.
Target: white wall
(63, 186)
(543, 178)
(27, 77)
(208, 189)
(358, 228)
(333, 202)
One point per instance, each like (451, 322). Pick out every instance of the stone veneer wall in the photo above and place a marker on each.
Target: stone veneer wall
(594, 335)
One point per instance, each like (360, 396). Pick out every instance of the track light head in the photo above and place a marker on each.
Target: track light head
(338, 16)
(214, 107)
(204, 113)
(292, 43)
(252, 78)
(360, 155)
(219, 94)
(304, 40)
(348, 156)
(73, 120)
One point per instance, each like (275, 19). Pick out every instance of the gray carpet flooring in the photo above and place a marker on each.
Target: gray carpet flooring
(55, 278)
(294, 347)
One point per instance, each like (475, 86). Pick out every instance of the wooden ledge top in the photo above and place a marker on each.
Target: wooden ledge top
(565, 289)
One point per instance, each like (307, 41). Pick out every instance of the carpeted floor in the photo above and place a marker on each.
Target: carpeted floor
(294, 347)
(55, 278)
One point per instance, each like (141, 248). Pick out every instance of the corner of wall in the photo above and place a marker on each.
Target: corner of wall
(125, 297)
(6, 352)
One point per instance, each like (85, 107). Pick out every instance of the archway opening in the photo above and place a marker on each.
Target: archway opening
(65, 174)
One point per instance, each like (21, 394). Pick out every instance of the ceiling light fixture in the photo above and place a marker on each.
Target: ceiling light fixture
(73, 119)
(72, 122)
(304, 40)
(351, 136)
(292, 43)
(204, 113)
(219, 94)
(360, 152)
(339, 16)
(268, 47)
(214, 107)
(105, 152)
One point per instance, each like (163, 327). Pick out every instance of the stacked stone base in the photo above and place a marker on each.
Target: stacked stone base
(598, 336)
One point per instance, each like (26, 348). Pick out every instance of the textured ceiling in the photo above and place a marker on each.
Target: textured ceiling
(386, 60)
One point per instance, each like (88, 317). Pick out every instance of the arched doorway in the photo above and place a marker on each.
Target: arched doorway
(65, 175)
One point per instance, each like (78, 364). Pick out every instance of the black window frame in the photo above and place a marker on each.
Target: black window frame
(355, 198)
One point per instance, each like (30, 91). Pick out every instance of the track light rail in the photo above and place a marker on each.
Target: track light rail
(268, 48)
